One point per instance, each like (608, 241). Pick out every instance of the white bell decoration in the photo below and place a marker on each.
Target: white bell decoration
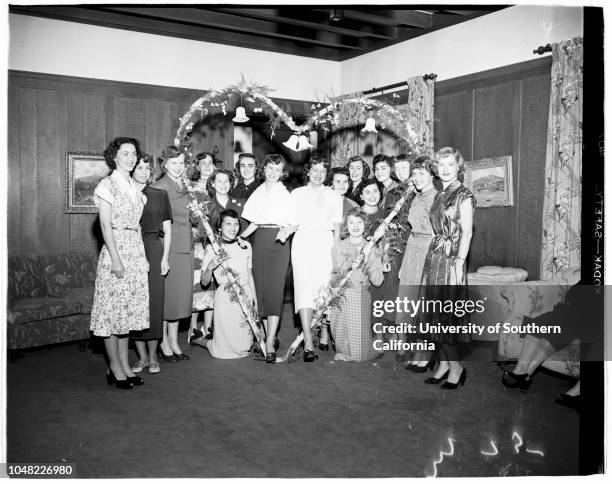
(370, 126)
(304, 144)
(241, 116)
(292, 142)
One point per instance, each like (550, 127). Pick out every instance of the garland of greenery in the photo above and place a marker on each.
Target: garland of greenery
(257, 96)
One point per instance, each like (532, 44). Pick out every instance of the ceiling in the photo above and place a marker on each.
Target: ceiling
(321, 31)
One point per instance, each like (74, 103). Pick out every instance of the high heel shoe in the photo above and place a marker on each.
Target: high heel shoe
(135, 380)
(514, 380)
(271, 357)
(453, 386)
(196, 334)
(123, 384)
(167, 358)
(324, 347)
(432, 380)
(181, 356)
(309, 356)
(422, 369)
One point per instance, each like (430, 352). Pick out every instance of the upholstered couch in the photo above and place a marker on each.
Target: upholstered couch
(531, 299)
(49, 299)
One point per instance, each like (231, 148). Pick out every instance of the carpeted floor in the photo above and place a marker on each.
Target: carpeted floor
(246, 418)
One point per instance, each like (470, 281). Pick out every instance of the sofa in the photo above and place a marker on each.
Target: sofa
(49, 299)
(531, 299)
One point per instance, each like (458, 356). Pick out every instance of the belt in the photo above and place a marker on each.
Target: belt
(126, 228)
(419, 234)
(268, 226)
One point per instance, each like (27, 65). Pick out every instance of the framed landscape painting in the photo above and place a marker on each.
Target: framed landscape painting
(490, 180)
(84, 170)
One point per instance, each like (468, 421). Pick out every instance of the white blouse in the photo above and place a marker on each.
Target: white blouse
(269, 206)
(316, 208)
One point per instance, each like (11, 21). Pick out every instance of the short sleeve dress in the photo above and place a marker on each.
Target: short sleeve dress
(121, 304)
(439, 281)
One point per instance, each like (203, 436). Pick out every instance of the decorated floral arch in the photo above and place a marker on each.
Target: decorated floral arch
(256, 97)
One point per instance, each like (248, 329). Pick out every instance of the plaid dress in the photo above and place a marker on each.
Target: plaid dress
(350, 321)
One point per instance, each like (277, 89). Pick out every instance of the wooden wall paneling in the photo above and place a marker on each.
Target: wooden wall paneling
(62, 136)
(453, 121)
(50, 193)
(28, 222)
(87, 132)
(159, 124)
(215, 132)
(129, 118)
(14, 172)
(496, 131)
(534, 129)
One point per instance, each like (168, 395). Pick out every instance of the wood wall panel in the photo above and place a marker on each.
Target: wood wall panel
(502, 112)
(534, 128)
(14, 168)
(28, 196)
(129, 119)
(50, 193)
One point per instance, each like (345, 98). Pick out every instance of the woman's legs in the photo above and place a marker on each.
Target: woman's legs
(141, 347)
(306, 318)
(271, 328)
(165, 342)
(208, 319)
(533, 353)
(452, 357)
(123, 355)
(173, 337)
(112, 350)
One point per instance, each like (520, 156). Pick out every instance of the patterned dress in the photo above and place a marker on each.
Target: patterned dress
(439, 280)
(121, 304)
(350, 322)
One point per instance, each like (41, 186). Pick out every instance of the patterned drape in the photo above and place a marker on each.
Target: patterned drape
(563, 184)
(347, 140)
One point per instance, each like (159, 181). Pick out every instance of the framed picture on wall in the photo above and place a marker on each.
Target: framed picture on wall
(84, 170)
(490, 180)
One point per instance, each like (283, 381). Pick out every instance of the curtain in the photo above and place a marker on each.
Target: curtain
(348, 141)
(563, 171)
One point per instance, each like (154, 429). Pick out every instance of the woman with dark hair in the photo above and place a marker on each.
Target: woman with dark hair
(417, 246)
(369, 196)
(444, 272)
(156, 223)
(383, 172)
(358, 172)
(121, 295)
(317, 215)
(204, 166)
(269, 211)
(248, 177)
(219, 185)
(232, 337)
(178, 296)
(340, 181)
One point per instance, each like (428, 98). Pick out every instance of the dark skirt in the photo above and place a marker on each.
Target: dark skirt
(178, 300)
(154, 251)
(270, 263)
(387, 291)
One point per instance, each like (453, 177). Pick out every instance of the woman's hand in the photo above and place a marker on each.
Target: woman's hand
(282, 235)
(459, 272)
(117, 268)
(165, 266)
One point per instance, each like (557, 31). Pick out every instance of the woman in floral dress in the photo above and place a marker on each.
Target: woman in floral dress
(121, 296)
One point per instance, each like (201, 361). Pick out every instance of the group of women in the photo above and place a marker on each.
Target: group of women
(146, 284)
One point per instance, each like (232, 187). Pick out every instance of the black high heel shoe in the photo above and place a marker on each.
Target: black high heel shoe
(135, 380)
(453, 386)
(123, 384)
(309, 356)
(168, 359)
(195, 335)
(513, 380)
(432, 380)
(422, 369)
(569, 401)
(181, 356)
(271, 357)
(324, 347)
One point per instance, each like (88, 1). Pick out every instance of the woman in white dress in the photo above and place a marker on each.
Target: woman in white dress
(317, 214)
